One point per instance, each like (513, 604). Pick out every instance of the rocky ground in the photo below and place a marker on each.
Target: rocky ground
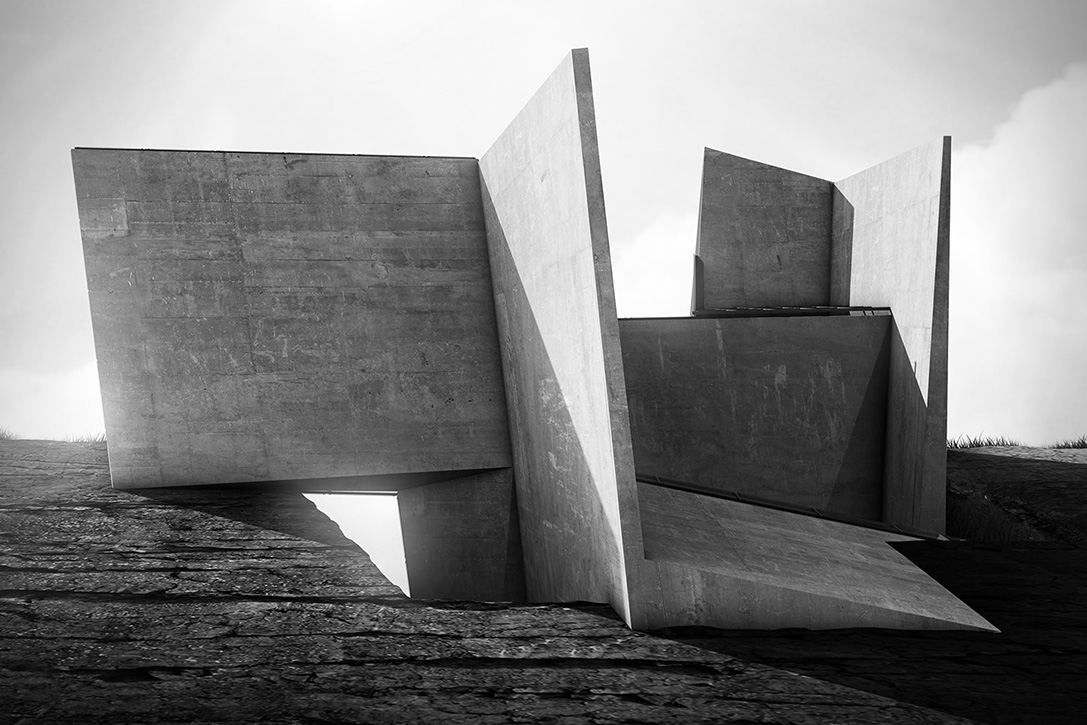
(228, 606)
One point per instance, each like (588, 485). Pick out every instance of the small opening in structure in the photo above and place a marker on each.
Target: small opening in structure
(371, 520)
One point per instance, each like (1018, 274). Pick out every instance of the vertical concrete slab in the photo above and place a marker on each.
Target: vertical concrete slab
(763, 235)
(554, 298)
(791, 409)
(270, 316)
(462, 539)
(894, 221)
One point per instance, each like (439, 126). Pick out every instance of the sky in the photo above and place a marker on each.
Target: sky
(827, 88)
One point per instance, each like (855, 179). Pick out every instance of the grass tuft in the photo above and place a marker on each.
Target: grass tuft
(86, 438)
(980, 442)
(1080, 442)
(7, 435)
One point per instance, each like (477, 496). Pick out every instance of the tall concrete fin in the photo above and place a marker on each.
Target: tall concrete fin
(891, 236)
(262, 317)
(559, 336)
(763, 235)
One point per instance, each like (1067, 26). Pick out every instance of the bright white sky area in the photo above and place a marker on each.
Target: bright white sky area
(822, 87)
(373, 522)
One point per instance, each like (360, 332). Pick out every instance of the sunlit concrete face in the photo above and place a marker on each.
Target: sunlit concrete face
(268, 316)
(555, 303)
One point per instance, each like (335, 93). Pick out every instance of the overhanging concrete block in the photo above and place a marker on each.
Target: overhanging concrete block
(264, 317)
(554, 298)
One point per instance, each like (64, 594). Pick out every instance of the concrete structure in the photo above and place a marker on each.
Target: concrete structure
(447, 328)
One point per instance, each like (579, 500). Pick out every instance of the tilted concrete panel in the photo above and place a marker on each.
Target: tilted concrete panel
(763, 235)
(462, 539)
(722, 563)
(891, 227)
(559, 336)
(270, 316)
(791, 409)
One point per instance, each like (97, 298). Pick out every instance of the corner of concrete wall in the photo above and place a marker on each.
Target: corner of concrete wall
(898, 257)
(559, 339)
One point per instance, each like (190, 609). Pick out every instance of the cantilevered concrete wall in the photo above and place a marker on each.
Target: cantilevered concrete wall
(790, 409)
(270, 316)
(891, 227)
(763, 234)
(559, 337)
(462, 539)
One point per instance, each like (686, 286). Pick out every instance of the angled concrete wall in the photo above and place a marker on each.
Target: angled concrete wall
(267, 316)
(559, 336)
(721, 563)
(462, 539)
(763, 235)
(791, 409)
(892, 228)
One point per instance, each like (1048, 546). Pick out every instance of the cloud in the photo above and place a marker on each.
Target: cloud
(1018, 357)
(51, 405)
(653, 270)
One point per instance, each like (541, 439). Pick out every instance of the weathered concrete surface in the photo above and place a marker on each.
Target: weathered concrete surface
(763, 234)
(268, 316)
(785, 408)
(197, 606)
(559, 336)
(462, 539)
(727, 564)
(891, 223)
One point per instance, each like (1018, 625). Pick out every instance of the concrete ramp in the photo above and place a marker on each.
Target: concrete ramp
(722, 563)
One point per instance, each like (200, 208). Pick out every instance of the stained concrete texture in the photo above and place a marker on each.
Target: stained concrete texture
(559, 336)
(892, 225)
(791, 409)
(196, 606)
(274, 316)
(763, 234)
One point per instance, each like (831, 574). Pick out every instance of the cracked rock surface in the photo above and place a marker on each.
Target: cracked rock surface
(203, 606)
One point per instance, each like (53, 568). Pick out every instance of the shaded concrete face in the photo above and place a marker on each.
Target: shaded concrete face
(763, 235)
(785, 408)
(462, 539)
(267, 316)
(727, 564)
(892, 225)
(559, 337)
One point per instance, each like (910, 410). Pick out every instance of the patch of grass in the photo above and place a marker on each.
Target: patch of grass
(86, 438)
(980, 442)
(1080, 442)
(7, 435)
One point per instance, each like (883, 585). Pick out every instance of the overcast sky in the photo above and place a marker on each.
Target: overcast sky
(824, 88)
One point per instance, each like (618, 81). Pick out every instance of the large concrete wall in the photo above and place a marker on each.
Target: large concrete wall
(763, 234)
(462, 539)
(559, 335)
(721, 563)
(892, 225)
(785, 408)
(269, 316)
